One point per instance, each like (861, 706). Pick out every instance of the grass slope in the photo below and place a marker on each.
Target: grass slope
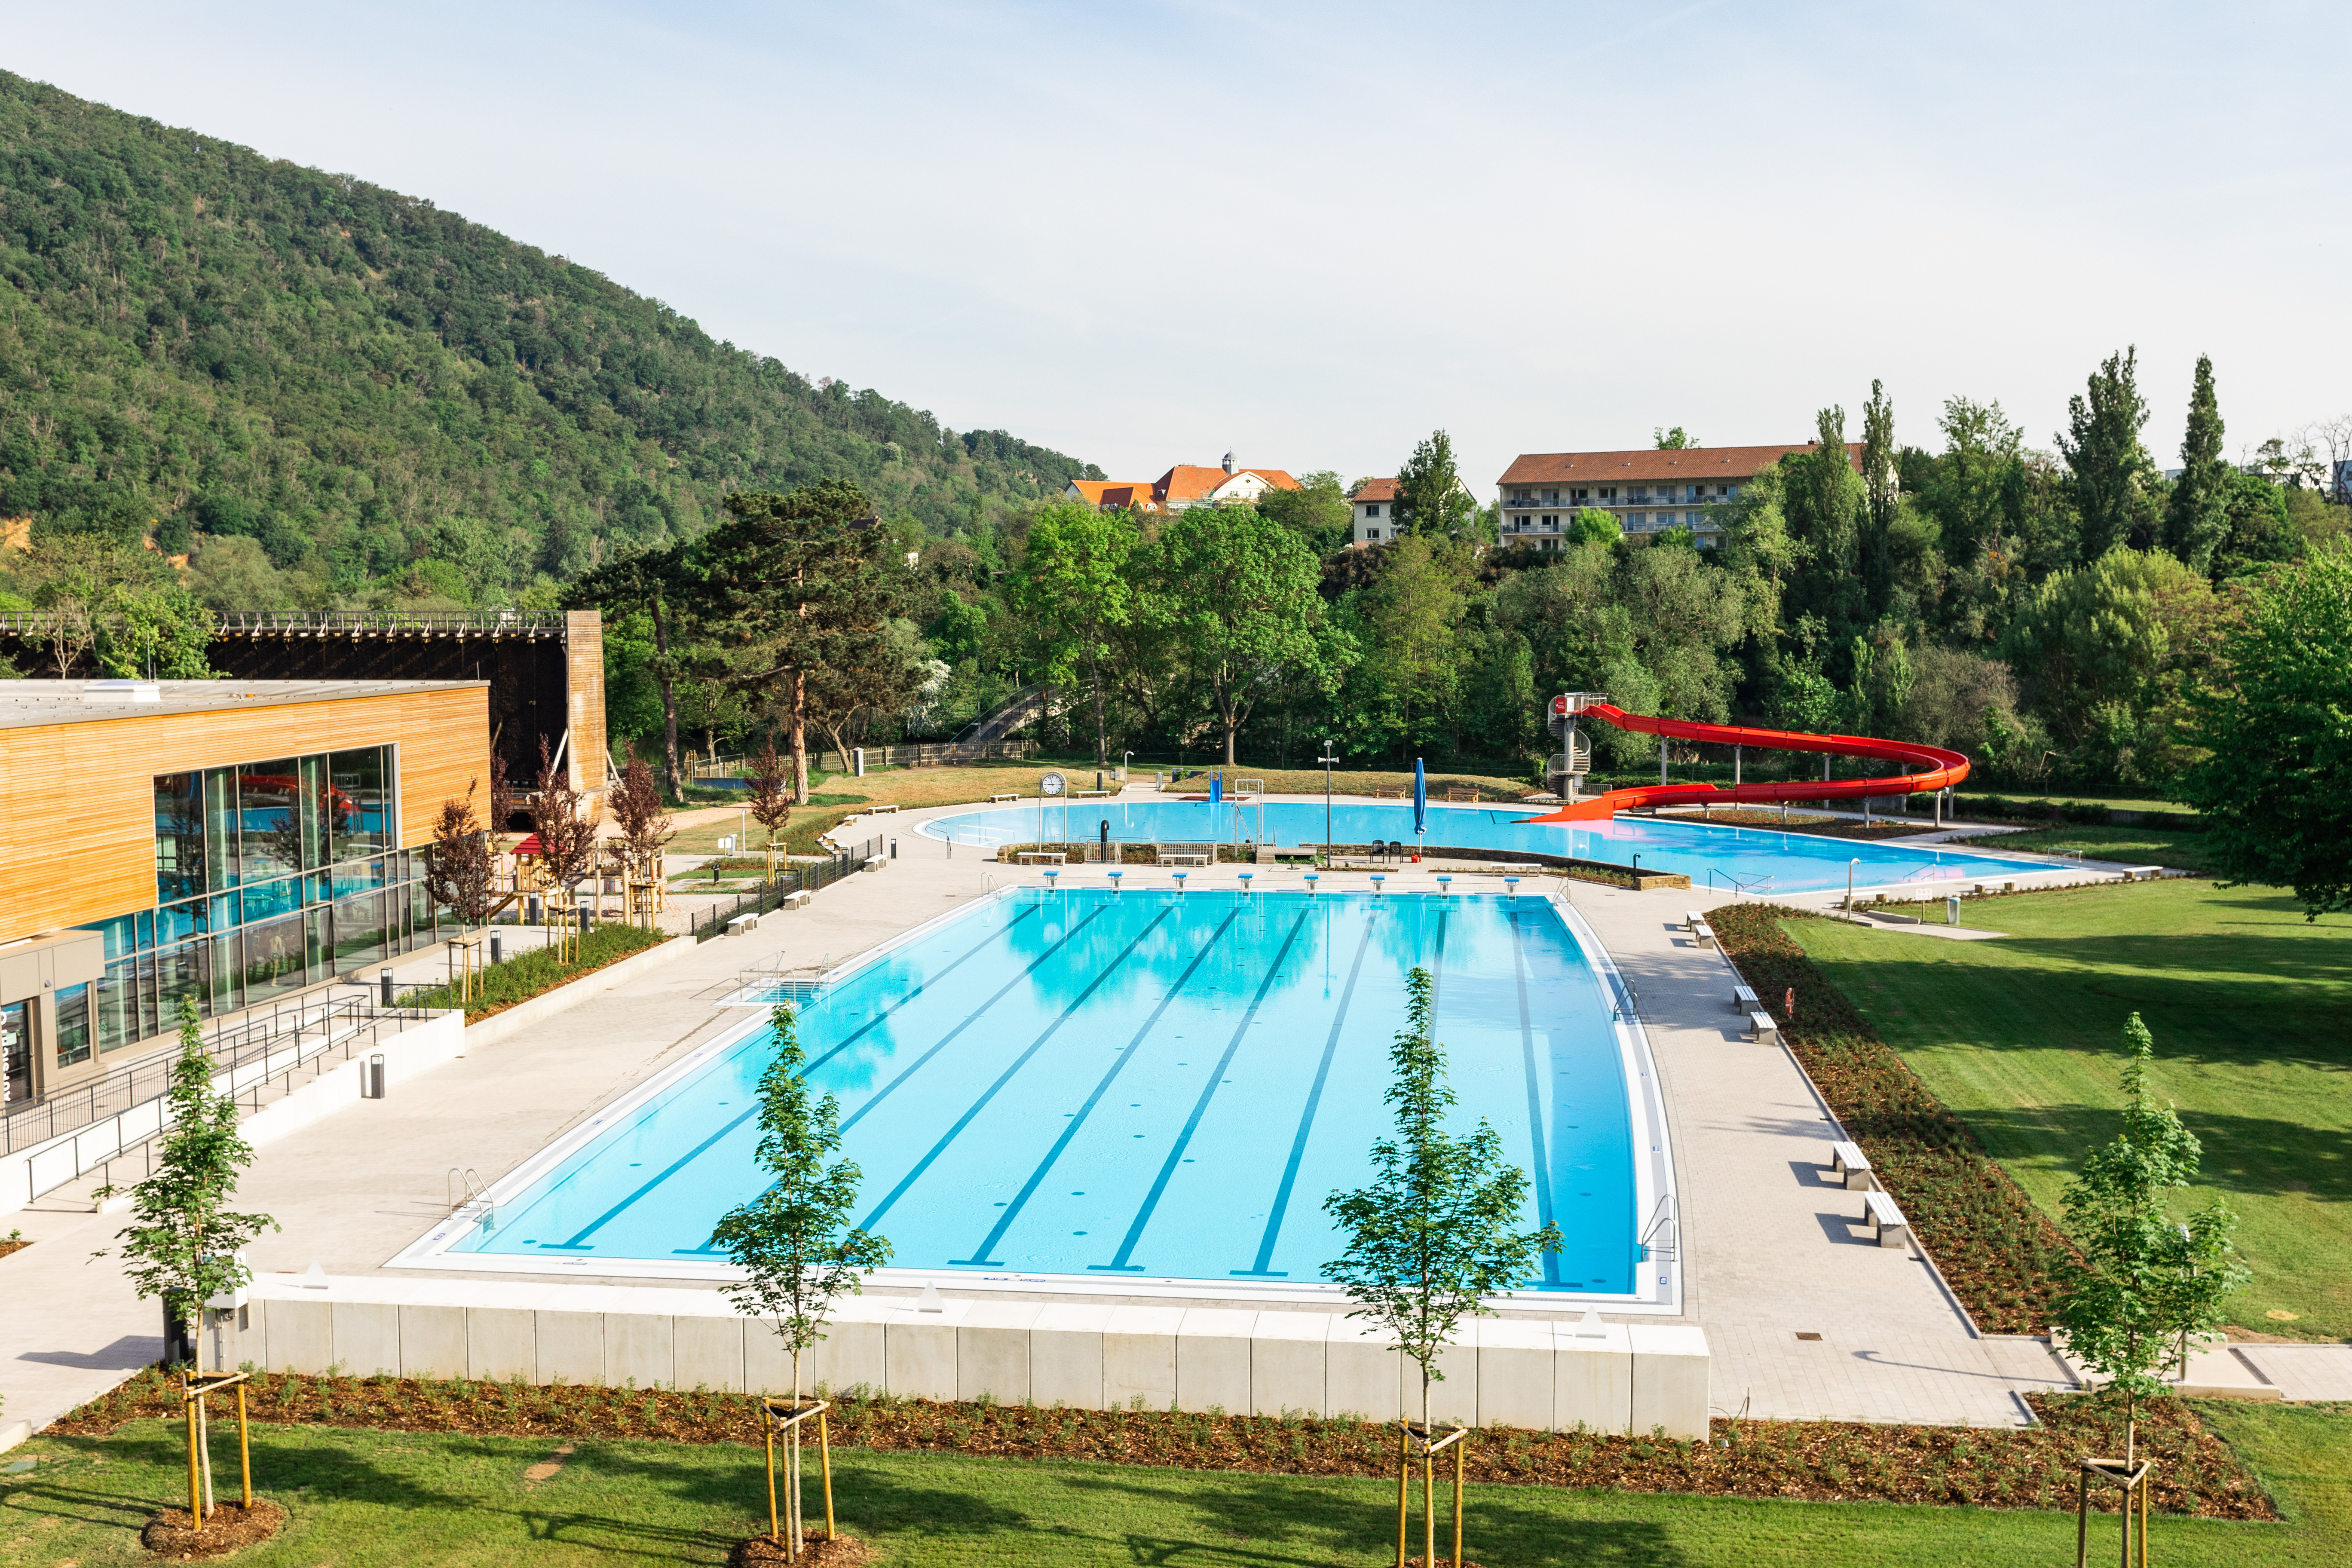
(2253, 1018)
(361, 1499)
(2133, 845)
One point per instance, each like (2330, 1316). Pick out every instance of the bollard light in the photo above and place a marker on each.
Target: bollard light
(386, 977)
(497, 947)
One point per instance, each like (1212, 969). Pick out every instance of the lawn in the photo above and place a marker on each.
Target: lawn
(360, 1498)
(2253, 1018)
(2134, 846)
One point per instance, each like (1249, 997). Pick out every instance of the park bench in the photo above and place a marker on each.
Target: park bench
(796, 899)
(882, 810)
(1703, 935)
(1885, 1221)
(1693, 920)
(875, 863)
(1851, 1167)
(744, 925)
(1183, 857)
(1043, 858)
(1743, 1000)
(994, 799)
(1088, 794)
(1763, 1029)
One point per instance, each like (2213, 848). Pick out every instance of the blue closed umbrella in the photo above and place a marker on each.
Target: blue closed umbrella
(1420, 800)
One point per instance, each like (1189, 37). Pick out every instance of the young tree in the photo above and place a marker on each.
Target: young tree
(1238, 593)
(2145, 1286)
(1436, 1231)
(566, 827)
(182, 1243)
(2110, 468)
(1429, 495)
(460, 874)
(770, 797)
(1674, 440)
(793, 1242)
(2276, 781)
(1073, 588)
(1318, 510)
(2198, 518)
(636, 805)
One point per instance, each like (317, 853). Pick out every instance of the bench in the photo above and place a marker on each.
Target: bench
(1852, 1166)
(994, 799)
(742, 925)
(1043, 858)
(881, 810)
(1703, 935)
(1181, 858)
(1763, 1029)
(1693, 920)
(1885, 1221)
(1743, 1000)
(796, 899)
(1088, 794)
(875, 863)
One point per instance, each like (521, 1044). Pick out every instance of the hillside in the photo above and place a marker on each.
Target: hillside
(397, 404)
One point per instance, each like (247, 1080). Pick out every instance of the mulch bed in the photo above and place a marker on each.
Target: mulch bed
(229, 1528)
(1821, 1460)
(7, 1247)
(2001, 1254)
(845, 1552)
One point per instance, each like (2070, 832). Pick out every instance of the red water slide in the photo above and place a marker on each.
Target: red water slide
(1938, 768)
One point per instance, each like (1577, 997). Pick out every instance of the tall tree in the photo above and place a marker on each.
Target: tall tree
(2145, 1286)
(460, 873)
(1073, 585)
(1882, 487)
(795, 585)
(1413, 613)
(1237, 593)
(2198, 518)
(662, 583)
(2110, 469)
(2275, 721)
(1439, 1228)
(1429, 495)
(1318, 510)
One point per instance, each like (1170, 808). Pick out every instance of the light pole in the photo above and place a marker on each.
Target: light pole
(1849, 881)
(1330, 756)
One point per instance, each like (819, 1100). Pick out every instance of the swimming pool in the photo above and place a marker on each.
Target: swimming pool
(1755, 859)
(1102, 1091)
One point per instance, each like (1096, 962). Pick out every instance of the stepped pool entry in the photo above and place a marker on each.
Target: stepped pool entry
(1137, 1093)
(1752, 859)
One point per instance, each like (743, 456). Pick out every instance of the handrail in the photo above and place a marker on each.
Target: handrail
(1662, 1219)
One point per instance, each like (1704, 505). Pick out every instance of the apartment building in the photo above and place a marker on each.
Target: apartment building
(1646, 491)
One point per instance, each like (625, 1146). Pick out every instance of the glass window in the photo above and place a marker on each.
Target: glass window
(273, 958)
(220, 828)
(178, 923)
(316, 812)
(1373, 509)
(121, 934)
(358, 932)
(182, 970)
(269, 900)
(179, 836)
(70, 1008)
(359, 810)
(17, 1053)
(269, 828)
(116, 1003)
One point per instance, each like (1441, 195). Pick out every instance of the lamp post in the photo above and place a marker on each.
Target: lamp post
(1849, 881)
(1330, 755)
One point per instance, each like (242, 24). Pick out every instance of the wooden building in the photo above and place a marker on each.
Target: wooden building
(235, 841)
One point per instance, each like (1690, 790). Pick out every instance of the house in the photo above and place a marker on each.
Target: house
(1646, 491)
(1183, 486)
(1113, 494)
(1374, 503)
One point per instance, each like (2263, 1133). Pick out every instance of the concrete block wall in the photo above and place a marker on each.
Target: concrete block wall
(1626, 1378)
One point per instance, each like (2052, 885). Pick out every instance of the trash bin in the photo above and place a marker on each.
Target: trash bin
(1952, 910)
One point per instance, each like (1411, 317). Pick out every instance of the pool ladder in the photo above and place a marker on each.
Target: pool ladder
(472, 1202)
(1659, 1236)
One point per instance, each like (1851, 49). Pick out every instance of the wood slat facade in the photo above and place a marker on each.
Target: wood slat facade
(78, 803)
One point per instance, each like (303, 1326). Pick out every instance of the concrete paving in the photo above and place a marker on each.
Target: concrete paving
(1770, 1251)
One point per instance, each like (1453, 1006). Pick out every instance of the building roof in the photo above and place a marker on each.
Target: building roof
(26, 704)
(1646, 465)
(1186, 483)
(1374, 490)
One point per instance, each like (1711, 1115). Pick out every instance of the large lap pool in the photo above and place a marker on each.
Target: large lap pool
(1752, 859)
(1107, 1091)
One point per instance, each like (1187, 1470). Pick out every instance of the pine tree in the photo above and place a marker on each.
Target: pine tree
(2198, 517)
(2110, 468)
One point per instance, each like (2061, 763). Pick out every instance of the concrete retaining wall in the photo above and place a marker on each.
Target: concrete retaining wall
(1630, 1378)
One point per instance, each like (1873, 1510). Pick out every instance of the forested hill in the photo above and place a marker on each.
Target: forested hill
(396, 403)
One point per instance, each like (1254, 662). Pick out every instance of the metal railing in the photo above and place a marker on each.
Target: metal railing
(808, 876)
(428, 623)
(235, 1048)
(1751, 885)
(1659, 1236)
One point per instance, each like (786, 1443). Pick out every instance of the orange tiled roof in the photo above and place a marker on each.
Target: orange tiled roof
(1374, 490)
(1644, 466)
(1186, 483)
(1119, 493)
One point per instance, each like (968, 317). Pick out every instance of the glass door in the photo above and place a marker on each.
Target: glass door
(16, 1052)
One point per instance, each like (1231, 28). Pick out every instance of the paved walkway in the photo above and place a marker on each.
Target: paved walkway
(1770, 1251)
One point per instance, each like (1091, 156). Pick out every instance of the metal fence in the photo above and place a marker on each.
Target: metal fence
(806, 876)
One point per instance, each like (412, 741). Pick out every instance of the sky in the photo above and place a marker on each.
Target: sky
(1146, 233)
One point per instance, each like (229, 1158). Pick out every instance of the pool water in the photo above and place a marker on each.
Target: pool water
(1129, 1086)
(1724, 858)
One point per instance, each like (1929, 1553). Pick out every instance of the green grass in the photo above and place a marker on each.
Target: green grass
(2253, 1018)
(2134, 846)
(361, 1498)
